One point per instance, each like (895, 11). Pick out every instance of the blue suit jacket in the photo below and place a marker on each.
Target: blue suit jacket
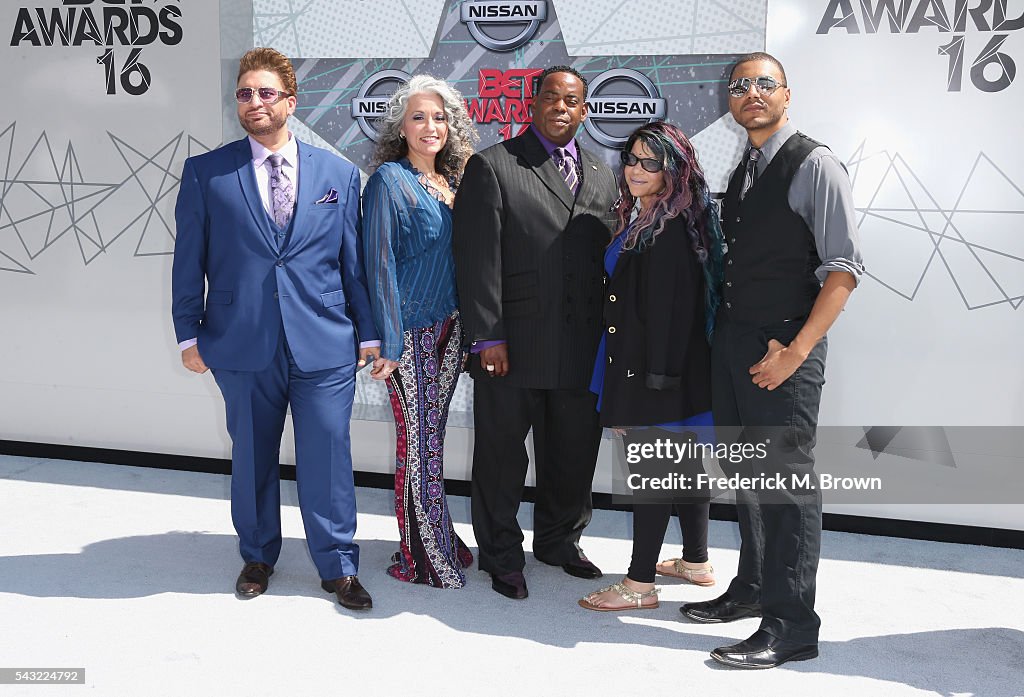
(314, 287)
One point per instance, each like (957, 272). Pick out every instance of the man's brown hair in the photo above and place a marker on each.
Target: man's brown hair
(272, 61)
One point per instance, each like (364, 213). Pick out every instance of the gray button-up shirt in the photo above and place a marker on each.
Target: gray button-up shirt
(821, 194)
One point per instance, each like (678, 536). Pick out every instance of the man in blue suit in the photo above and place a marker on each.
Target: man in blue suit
(270, 226)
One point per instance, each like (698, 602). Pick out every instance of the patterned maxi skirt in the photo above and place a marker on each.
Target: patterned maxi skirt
(421, 390)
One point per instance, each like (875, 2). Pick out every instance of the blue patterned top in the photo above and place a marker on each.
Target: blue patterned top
(407, 243)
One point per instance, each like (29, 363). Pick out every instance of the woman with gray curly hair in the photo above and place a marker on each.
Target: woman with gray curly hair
(425, 139)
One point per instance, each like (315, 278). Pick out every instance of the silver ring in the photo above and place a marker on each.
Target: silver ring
(490, 369)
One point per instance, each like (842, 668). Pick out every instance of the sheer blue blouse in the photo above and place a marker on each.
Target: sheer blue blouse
(407, 245)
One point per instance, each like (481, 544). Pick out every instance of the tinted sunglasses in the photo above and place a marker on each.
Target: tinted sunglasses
(267, 95)
(648, 163)
(765, 84)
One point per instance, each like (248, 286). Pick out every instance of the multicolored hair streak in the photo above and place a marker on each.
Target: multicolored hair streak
(685, 194)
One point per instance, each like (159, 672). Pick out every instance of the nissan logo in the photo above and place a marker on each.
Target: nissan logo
(519, 20)
(372, 101)
(620, 100)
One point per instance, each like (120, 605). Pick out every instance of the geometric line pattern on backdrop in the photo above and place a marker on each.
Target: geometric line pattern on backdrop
(279, 28)
(976, 240)
(714, 27)
(45, 199)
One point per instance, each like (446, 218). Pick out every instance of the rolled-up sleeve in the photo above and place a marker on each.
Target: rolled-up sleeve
(821, 195)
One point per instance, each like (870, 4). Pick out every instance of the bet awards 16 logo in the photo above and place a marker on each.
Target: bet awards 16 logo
(991, 71)
(107, 24)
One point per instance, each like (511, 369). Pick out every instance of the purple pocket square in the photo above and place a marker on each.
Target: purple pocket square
(330, 197)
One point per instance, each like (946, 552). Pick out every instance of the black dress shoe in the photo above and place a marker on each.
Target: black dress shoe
(721, 609)
(511, 585)
(580, 567)
(762, 650)
(254, 579)
(350, 592)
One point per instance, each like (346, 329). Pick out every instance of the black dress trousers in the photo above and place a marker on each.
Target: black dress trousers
(780, 529)
(566, 438)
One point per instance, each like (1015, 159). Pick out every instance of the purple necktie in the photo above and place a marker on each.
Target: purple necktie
(567, 166)
(282, 193)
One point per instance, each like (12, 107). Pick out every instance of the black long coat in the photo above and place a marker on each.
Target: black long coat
(658, 360)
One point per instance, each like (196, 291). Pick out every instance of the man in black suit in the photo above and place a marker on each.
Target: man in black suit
(531, 219)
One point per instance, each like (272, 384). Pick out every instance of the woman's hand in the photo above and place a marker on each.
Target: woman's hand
(382, 369)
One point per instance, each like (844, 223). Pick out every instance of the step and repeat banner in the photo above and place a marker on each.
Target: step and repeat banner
(918, 98)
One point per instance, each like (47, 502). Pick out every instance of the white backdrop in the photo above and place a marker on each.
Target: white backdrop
(932, 337)
(89, 180)
(86, 229)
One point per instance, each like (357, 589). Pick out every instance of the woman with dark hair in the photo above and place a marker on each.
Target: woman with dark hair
(652, 373)
(425, 139)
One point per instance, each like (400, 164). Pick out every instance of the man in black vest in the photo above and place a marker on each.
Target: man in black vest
(530, 224)
(793, 259)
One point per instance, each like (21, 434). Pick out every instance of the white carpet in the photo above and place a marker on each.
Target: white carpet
(129, 573)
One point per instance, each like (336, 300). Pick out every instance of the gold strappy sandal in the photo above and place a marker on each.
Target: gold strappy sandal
(698, 577)
(627, 594)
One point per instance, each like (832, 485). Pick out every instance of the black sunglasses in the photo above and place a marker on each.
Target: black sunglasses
(648, 163)
(267, 95)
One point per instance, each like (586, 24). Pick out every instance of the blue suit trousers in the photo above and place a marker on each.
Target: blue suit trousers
(321, 406)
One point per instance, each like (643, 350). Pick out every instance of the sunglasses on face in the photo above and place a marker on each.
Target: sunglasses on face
(267, 95)
(648, 163)
(765, 84)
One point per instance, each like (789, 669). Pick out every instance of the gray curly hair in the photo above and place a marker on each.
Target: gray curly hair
(461, 134)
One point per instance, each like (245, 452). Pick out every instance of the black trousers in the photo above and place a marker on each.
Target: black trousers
(566, 438)
(651, 515)
(780, 530)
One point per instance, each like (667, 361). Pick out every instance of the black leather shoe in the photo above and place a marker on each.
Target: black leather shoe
(580, 567)
(350, 592)
(511, 585)
(762, 650)
(254, 579)
(721, 609)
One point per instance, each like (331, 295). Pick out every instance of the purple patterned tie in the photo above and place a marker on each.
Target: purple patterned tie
(567, 166)
(282, 193)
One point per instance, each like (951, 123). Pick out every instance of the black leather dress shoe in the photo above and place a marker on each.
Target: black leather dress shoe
(511, 585)
(580, 567)
(721, 609)
(350, 592)
(254, 579)
(762, 650)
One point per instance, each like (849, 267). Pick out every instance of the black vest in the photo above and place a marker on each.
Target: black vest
(771, 258)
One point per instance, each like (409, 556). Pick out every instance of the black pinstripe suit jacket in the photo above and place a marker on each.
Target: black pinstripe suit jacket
(529, 260)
